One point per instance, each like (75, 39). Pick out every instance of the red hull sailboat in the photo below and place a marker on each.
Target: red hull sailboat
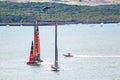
(35, 47)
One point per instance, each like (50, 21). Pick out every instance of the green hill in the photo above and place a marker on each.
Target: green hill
(27, 12)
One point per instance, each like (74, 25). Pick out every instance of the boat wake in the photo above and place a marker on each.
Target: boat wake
(48, 68)
(99, 56)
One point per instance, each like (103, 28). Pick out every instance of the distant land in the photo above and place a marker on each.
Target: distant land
(72, 2)
(25, 13)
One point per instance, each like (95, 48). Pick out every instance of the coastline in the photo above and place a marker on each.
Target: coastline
(51, 23)
(39, 23)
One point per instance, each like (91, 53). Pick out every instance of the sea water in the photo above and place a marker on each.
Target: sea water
(96, 50)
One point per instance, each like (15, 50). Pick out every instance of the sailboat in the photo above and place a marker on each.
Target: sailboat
(55, 67)
(35, 47)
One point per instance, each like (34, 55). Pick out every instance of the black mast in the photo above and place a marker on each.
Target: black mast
(56, 50)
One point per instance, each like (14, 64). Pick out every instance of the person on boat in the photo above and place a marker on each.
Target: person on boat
(69, 54)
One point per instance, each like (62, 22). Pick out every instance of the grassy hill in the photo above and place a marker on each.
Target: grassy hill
(73, 2)
(27, 12)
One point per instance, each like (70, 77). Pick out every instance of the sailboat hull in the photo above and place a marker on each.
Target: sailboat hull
(33, 63)
(30, 62)
(66, 55)
(54, 68)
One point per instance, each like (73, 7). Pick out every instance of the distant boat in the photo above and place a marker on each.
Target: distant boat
(35, 47)
(68, 55)
(55, 67)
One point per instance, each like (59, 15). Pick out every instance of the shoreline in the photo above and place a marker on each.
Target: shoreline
(51, 23)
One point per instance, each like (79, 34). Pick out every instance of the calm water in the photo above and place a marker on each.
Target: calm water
(96, 50)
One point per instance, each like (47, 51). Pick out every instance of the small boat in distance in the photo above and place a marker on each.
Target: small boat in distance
(35, 47)
(68, 55)
(55, 67)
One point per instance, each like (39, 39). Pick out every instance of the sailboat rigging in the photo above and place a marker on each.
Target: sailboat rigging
(55, 67)
(35, 47)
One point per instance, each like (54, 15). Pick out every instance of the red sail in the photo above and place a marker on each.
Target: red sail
(31, 53)
(37, 43)
(31, 59)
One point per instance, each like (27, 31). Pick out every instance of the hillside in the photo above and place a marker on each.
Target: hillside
(72, 2)
(27, 12)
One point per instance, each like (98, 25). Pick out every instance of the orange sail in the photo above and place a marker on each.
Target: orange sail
(35, 49)
(31, 59)
(37, 43)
